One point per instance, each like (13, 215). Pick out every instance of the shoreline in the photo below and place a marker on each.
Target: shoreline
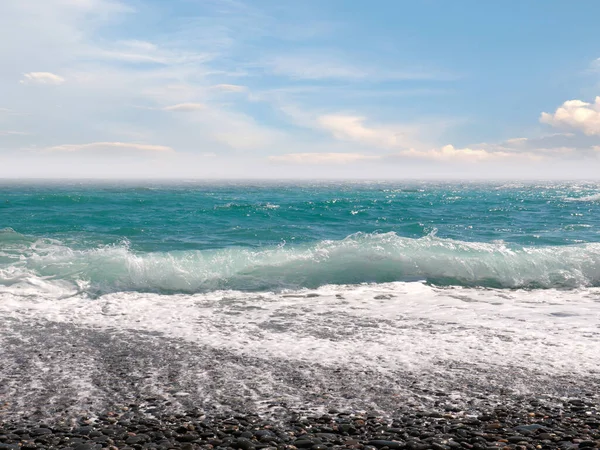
(61, 369)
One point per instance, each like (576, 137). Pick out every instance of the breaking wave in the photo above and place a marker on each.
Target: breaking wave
(29, 266)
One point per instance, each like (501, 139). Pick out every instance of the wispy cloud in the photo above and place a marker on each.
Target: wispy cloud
(449, 153)
(185, 107)
(322, 158)
(210, 83)
(42, 78)
(364, 133)
(9, 112)
(353, 128)
(319, 65)
(239, 131)
(13, 133)
(94, 146)
(98, 6)
(135, 51)
(230, 88)
(549, 146)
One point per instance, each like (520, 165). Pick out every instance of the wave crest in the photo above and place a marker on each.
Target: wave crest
(360, 258)
(587, 198)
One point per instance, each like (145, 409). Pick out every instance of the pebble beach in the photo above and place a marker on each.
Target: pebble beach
(65, 387)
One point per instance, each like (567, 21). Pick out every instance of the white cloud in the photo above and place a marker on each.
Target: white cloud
(450, 153)
(555, 145)
(447, 153)
(42, 78)
(230, 88)
(576, 115)
(365, 135)
(352, 128)
(549, 147)
(110, 145)
(322, 158)
(185, 107)
(517, 141)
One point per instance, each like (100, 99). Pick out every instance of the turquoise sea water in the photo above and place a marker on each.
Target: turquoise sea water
(198, 237)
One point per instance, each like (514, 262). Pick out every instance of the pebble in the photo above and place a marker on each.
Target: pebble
(573, 424)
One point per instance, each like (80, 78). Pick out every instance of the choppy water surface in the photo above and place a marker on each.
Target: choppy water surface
(416, 277)
(199, 237)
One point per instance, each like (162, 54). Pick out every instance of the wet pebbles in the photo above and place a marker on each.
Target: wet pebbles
(529, 424)
(164, 393)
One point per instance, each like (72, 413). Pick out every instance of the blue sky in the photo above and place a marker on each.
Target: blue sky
(311, 89)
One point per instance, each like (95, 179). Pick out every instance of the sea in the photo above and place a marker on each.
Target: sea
(293, 293)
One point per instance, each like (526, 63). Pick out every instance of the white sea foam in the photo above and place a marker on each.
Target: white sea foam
(391, 326)
(336, 318)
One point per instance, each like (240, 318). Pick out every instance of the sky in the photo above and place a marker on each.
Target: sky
(386, 89)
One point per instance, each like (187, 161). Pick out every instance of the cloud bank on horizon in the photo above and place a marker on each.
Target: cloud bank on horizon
(265, 89)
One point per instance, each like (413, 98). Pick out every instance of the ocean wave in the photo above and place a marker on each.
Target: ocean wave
(587, 198)
(28, 266)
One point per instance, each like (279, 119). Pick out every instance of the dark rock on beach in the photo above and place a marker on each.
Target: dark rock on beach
(551, 424)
